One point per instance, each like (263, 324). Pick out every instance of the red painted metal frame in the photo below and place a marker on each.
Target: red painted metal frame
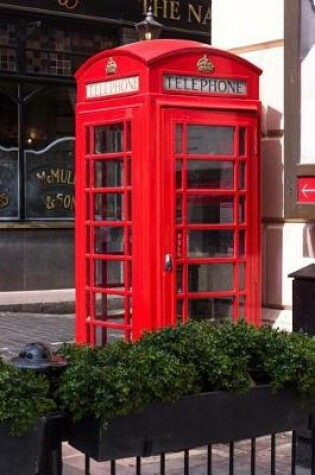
(149, 300)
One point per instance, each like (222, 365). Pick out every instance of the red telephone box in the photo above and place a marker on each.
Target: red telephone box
(167, 188)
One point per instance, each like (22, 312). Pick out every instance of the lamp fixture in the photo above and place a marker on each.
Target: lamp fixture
(149, 28)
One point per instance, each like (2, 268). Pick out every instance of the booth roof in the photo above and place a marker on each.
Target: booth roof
(151, 51)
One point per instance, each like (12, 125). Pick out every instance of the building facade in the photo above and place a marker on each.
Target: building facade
(42, 44)
(279, 37)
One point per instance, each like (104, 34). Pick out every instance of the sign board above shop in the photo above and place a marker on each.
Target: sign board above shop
(192, 16)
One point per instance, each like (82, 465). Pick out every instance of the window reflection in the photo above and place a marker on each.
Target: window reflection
(108, 138)
(210, 209)
(108, 173)
(108, 206)
(210, 277)
(215, 140)
(210, 174)
(213, 243)
(109, 240)
(109, 273)
(213, 308)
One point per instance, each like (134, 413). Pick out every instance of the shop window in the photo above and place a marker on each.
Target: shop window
(60, 52)
(8, 44)
(9, 172)
(49, 155)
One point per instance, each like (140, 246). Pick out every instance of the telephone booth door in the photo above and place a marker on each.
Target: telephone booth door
(210, 198)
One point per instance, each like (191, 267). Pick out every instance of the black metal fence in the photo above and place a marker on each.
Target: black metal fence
(281, 454)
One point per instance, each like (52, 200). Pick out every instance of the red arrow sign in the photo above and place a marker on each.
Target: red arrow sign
(306, 189)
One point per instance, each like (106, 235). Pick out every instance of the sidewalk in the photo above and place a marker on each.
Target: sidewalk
(18, 329)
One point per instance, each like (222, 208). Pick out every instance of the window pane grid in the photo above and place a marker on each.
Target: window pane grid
(109, 188)
(211, 206)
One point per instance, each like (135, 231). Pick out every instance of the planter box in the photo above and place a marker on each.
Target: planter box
(37, 451)
(193, 421)
(20, 455)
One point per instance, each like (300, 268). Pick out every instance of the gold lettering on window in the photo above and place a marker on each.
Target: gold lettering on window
(69, 4)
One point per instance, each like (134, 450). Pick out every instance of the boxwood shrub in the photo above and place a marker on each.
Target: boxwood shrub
(164, 365)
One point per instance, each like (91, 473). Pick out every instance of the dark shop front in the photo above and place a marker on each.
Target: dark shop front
(42, 44)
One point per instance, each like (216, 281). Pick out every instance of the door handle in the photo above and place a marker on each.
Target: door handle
(168, 265)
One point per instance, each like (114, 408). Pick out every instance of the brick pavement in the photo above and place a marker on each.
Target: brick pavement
(17, 329)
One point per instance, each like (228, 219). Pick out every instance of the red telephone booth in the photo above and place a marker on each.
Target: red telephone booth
(167, 188)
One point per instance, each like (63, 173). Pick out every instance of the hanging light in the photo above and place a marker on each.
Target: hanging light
(149, 29)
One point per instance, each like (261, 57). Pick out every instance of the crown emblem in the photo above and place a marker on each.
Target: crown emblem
(205, 64)
(111, 66)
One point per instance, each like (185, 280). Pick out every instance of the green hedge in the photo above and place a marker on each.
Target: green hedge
(164, 365)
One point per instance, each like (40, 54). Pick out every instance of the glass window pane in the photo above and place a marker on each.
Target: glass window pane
(211, 175)
(242, 210)
(128, 213)
(242, 176)
(210, 209)
(49, 187)
(179, 279)
(108, 138)
(109, 273)
(128, 283)
(9, 175)
(109, 307)
(179, 135)
(216, 140)
(128, 137)
(179, 209)
(210, 243)
(108, 173)
(8, 38)
(214, 308)
(49, 116)
(179, 174)
(242, 275)
(242, 303)
(242, 243)
(129, 174)
(179, 244)
(109, 240)
(179, 311)
(210, 277)
(108, 207)
(242, 141)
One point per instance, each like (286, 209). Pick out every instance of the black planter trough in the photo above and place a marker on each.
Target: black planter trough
(193, 421)
(20, 455)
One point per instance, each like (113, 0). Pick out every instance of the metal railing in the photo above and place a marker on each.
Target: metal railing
(281, 454)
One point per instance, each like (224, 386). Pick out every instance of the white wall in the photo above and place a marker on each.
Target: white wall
(307, 83)
(246, 22)
(254, 29)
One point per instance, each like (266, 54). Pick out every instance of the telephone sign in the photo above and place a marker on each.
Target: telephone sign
(167, 189)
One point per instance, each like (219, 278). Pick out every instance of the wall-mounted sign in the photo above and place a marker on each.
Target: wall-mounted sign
(211, 85)
(187, 15)
(110, 88)
(306, 189)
